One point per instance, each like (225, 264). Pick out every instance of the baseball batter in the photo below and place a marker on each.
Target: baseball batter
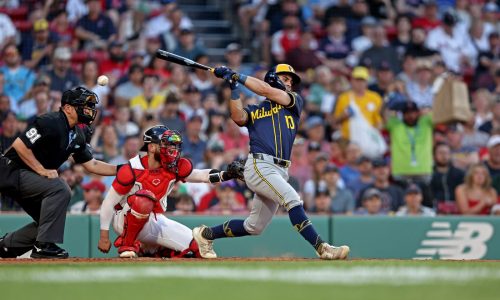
(138, 198)
(272, 127)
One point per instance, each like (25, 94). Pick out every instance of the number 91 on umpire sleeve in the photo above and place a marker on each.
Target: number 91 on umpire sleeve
(33, 135)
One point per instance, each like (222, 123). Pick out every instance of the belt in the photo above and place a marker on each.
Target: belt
(278, 161)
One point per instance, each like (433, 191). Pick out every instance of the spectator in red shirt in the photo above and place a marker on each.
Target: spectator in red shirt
(429, 19)
(287, 39)
(476, 196)
(226, 199)
(235, 142)
(117, 63)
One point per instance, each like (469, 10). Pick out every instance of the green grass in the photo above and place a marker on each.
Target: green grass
(314, 279)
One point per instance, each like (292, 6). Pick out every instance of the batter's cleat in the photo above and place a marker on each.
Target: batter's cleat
(206, 246)
(48, 250)
(329, 252)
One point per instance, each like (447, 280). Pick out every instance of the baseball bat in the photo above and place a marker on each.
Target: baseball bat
(177, 59)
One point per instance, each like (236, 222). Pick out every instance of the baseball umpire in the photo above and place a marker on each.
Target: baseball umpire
(28, 173)
(272, 127)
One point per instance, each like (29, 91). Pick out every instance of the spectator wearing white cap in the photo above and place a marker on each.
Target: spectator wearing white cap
(61, 75)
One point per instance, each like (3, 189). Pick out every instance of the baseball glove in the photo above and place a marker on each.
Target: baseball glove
(235, 169)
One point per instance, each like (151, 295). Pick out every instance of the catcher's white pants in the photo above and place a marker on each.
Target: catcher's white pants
(158, 231)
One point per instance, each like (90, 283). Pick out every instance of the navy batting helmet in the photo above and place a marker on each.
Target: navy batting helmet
(84, 100)
(153, 135)
(272, 76)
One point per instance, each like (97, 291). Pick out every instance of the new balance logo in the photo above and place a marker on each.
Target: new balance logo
(468, 241)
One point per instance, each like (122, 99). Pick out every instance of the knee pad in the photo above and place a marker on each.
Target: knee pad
(141, 203)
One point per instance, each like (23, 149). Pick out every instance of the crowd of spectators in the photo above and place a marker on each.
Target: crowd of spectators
(369, 68)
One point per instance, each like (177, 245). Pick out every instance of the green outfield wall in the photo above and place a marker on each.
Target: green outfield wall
(368, 237)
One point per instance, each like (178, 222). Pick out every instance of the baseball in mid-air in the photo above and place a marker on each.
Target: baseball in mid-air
(102, 80)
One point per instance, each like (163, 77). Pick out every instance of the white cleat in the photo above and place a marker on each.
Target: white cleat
(128, 254)
(206, 246)
(329, 252)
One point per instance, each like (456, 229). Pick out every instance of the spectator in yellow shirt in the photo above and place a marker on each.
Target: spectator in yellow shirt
(368, 102)
(149, 101)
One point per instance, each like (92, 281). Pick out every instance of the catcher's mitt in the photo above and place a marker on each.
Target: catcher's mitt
(235, 169)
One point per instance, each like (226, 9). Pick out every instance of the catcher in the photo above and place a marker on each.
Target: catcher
(138, 198)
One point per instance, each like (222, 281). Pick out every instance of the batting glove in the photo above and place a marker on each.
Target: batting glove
(222, 72)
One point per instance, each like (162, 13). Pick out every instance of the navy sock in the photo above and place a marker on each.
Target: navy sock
(231, 228)
(304, 226)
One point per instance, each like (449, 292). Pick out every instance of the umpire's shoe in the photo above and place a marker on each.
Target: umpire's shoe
(48, 250)
(4, 251)
(206, 246)
(329, 252)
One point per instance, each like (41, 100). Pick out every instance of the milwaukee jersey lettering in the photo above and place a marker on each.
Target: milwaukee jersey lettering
(272, 127)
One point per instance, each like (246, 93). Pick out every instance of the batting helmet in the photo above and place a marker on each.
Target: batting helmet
(273, 80)
(153, 135)
(84, 101)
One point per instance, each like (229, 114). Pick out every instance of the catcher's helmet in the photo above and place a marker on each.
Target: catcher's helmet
(153, 135)
(274, 81)
(170, 149)
(83, 100)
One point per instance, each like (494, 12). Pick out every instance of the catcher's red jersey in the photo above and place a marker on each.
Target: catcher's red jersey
(135, 176)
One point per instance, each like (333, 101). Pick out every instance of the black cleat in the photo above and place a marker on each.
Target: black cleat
(48, 250)
(4, 251)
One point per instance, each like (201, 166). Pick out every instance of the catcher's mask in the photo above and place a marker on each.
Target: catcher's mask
(84, 101)
(170, 149)
(273, 80)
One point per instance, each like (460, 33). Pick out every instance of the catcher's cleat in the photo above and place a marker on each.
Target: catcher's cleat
(329, 252)
(128, 254)
(129, 251)
(206, 247)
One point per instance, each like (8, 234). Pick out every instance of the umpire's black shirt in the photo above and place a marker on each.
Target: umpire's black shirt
(53, 141)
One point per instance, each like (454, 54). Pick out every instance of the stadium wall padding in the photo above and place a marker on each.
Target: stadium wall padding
(368, 237)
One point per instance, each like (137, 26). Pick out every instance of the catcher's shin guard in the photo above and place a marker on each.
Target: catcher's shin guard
(141, 205)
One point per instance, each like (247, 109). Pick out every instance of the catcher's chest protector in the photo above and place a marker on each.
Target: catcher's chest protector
(158, 181)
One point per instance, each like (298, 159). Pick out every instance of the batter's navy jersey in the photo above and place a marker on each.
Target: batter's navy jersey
(272, 127)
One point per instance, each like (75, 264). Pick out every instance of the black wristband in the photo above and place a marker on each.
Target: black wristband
(214, 176)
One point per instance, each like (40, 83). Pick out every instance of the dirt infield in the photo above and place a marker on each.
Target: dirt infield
(117, 260)
(10, 261)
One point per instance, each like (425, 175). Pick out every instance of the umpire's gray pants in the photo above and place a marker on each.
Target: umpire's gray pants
(270, 184)
(46, 201)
